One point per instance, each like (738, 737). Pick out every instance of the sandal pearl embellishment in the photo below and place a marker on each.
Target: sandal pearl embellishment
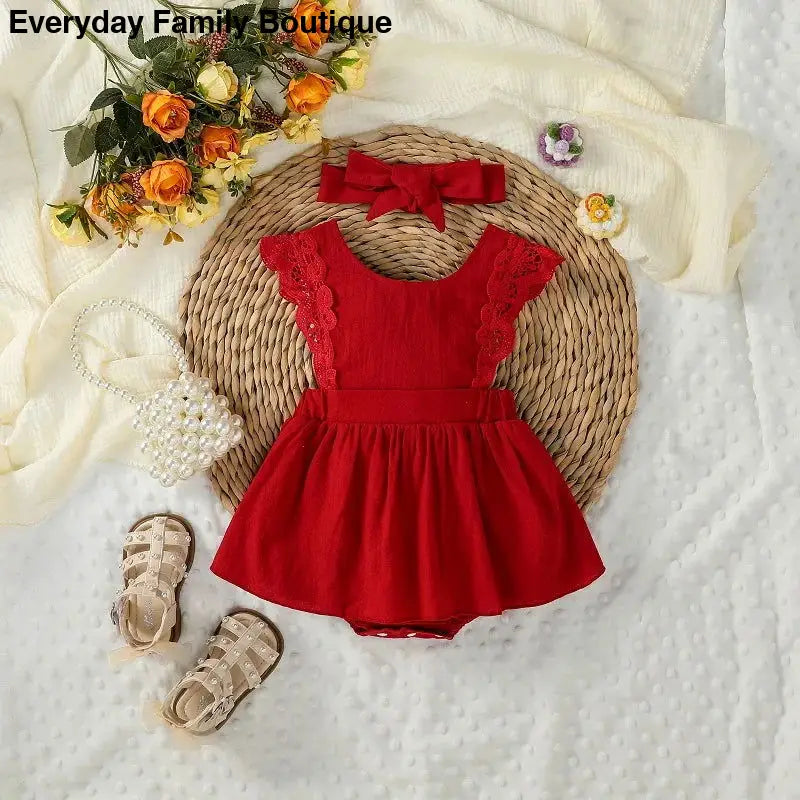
(186, 427)
(600, 216)
(560, 144)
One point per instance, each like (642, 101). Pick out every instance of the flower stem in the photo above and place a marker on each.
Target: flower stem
(112, 58)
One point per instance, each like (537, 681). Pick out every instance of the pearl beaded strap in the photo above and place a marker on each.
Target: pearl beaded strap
(186, 426)
(145, 314)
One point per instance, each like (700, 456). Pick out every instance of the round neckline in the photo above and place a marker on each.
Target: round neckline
(489, 231)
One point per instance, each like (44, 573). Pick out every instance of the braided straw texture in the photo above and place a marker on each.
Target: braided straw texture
(573, 371)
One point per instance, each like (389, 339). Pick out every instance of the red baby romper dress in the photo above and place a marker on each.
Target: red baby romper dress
(405, 495)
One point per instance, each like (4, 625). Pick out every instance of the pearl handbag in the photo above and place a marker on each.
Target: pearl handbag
(185, 425)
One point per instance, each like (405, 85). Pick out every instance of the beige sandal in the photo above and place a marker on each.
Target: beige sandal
(245, 650)
(157, 553)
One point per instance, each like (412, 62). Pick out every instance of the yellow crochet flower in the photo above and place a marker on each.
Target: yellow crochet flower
(598, 208)
(600, 216)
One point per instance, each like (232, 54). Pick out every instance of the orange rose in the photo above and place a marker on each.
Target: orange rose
(308, 93)
(307, 12)
(166, 113)
(216, 141)
(167, 182)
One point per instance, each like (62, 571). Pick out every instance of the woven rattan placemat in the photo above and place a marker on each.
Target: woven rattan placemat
(574, 368)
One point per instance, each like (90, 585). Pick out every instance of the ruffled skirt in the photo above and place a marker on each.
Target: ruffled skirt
(408, 513)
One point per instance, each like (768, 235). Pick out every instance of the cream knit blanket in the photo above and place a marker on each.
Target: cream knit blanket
(492, 69)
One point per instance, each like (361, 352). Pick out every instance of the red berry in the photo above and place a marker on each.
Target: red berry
(266, 118)
(136, 187)
(215, 43)
(295, 65)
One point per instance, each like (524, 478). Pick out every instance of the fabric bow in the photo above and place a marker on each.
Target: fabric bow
(153, 717)
(418, 188)
(171, 650)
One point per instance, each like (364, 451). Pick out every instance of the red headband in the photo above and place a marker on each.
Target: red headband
(419, 188)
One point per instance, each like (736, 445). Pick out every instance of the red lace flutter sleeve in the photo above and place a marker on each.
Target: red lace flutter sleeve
(521, 271)
(301, 275)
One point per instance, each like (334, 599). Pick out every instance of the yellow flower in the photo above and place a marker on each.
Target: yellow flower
(217, 82)
(353, 74)
(72, 234)
(257, 140)
(212, 178)
(234, 167)
(191, 213)
(245, 100)
(151, 217)
(302, 130)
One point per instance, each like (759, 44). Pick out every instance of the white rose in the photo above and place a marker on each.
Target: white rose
(217, 82)
(72, 235)
(212, 177)
(354, 75)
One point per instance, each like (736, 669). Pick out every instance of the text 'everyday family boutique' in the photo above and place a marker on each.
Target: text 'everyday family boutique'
(164, 21)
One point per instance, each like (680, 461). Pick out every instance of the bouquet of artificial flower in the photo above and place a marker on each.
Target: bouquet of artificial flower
(178, 126)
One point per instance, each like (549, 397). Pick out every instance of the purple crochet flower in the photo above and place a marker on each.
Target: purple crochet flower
(560, 144)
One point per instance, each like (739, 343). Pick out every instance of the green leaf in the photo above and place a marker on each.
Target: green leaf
(610, 199)
(157, 45)
(164, 64)
(128, 119)
(79, 144)
(575, 149)
(270, 5)
(136, 46)
(346, 62)
(107, 136)
(340, 80)
(85, 225)
(554, 131)
(241, 61)
(66, 217)
(106, 98)
(244, 12)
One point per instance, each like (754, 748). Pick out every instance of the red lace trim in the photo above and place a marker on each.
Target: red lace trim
(301, 272)
(521, 270)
